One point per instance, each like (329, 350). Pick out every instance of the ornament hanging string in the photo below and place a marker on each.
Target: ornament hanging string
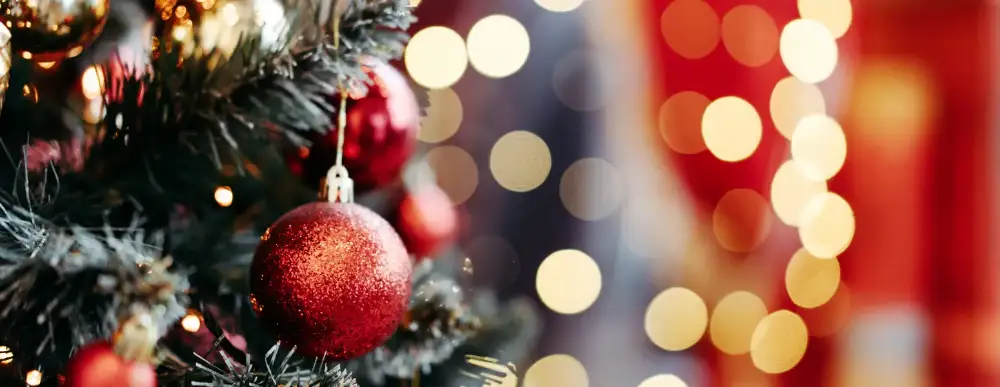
(338, 186)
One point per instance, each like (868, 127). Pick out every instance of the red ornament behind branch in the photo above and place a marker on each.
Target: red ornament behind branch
(426, 221)
(97, 364)
(380, 136)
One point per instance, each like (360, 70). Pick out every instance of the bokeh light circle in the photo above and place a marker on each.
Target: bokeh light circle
(676, 319)
(559, 5)
(591, 189)
(810, 281)
(750, 35)
(836, 15)
(680, 122)
(792, 100)
(444, 116)
(808, 50)
(520, 161)
(498, 46)
(779, 342)
(436, 57)
(731, 128)
(734, 320)
(819, 146)
(665, 380)
(691, 28)
(741, 220)
(791, 190)
(556, 370)
(568, 281)
(827, 225)
(455, 170)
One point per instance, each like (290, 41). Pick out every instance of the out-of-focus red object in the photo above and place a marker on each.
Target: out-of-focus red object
(426, 221)
(97, 364)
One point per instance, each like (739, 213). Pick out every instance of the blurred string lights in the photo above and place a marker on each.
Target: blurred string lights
(497, 46)
(730, 128)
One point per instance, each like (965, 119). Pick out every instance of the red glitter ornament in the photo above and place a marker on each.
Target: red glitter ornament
(380, 136)
(97, 364)
(426, 221)
(331, 278)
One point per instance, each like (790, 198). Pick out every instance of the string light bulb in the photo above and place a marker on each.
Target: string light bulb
(92, 82)
(224, 196)
(33, 378)
(6, 356)
(191, 322)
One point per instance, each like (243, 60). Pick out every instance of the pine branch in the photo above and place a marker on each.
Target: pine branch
(276, 371)
(438, 322)
(64, 287)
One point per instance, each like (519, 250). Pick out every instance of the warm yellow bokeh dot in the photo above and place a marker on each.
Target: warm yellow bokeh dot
(811, 281)
(680, 122)
(33, 378)
(556, 370)
(520, 161)
(6, 356)
(750, 35)
(791, 190)
(92, 82)
(836, 15)
(559, 5)
(224, 196)
(733, 321)
(591, 189)
(731, 128)
(191, 322)
(498, 46)
(444, 116)
(793, 99)
(568, 281)
(819, 146)
(436, 57)
(827, 225)
(808, 50)
(690, 27)
(665, 380)
(455, 170)
(779, 342)
(676, 319)
(741, 220)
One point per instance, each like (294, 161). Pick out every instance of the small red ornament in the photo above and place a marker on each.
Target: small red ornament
(380, 136)
(426, 221)
(97, 364)
(331, 278)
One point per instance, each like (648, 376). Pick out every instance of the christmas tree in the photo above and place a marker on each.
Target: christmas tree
(179, 201)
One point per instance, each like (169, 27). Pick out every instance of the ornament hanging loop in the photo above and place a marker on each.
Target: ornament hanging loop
(338, 186)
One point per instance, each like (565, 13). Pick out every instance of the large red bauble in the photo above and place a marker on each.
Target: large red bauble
(426, 221)
(97, 364)
(331, 278)
(380, 136)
